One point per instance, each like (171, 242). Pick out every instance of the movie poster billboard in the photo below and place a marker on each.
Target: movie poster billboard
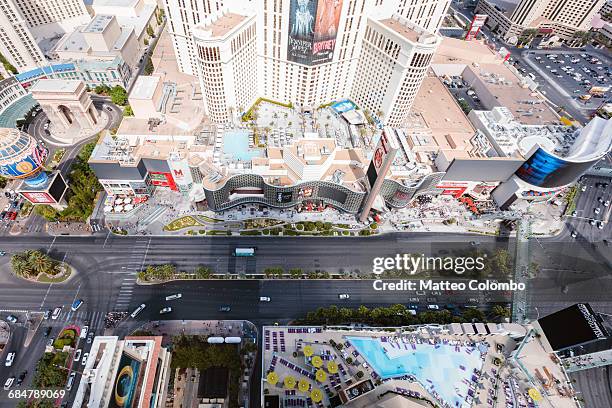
(313, 27)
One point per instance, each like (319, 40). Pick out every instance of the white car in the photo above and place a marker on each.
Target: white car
(10, 357)
(574, 234)
(84, 359)
(56, 312)
(84, 331)
(175, 296)
(597, 210)
(70, 381)
(11, 319)
(165, 310)
(264, 299)
(433, 307)
(343, 296)
(9, 383)
(606, 203)
(77, 355)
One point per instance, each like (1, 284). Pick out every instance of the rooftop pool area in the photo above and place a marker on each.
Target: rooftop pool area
(442, 369)
(236, 146)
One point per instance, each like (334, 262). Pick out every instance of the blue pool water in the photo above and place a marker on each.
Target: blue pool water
(441, 369)
(236, 145)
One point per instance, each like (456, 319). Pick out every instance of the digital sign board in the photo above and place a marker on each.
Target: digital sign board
(313, 28)
(284, 197)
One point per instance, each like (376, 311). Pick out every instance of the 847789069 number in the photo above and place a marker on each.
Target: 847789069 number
(45, 394)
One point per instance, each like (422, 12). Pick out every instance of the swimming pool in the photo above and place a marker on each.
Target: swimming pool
(236, 145)
(438, 368)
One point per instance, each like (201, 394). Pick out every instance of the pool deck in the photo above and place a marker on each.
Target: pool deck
(283, 353)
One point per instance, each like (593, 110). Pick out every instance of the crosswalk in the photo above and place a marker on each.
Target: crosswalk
(136, 263)
(93, 319)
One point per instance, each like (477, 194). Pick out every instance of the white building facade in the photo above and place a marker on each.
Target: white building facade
(17, 44)
(226, 57)
(394, 61)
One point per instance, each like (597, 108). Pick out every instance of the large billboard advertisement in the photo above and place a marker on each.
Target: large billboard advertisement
(586, 326)
(313, 27)
(39, 197)
(545, 170)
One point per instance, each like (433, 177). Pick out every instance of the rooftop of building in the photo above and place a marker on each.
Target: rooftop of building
(512, 136)
(408, 30)
(98, 23)
(436, 109)
(144, 87)
(505, 7)
(133, 13)
(220, 25)
(458, 51)
(56, 85)
(351, 358)
(509, 91)
(115, 3)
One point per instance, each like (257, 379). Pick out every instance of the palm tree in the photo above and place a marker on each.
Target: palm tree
(41, 263)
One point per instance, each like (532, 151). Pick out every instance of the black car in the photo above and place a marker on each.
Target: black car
(47, 331)
(21, 377)
(2, 214)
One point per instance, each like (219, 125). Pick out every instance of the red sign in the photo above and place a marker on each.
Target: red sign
(39, 197)
(477, 22)
(454, 190)
(162, 179)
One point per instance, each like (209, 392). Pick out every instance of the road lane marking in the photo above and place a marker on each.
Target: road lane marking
(46, 294)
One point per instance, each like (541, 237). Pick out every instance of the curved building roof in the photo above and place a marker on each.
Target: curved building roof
(13, 144)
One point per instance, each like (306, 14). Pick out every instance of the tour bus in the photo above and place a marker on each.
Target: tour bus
(244, 252)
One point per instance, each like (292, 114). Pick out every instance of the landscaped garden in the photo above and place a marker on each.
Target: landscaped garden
(37, 266)
(183, 222)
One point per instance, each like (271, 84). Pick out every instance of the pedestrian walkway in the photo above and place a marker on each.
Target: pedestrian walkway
(135, 265)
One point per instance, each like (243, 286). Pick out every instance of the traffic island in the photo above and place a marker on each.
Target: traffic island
(36, 266)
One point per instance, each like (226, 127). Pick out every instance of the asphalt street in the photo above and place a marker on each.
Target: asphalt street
(106, 268)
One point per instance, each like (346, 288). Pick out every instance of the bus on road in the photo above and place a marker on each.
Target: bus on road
(244, 252)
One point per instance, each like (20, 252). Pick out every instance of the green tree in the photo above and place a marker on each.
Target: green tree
(149, 68)
(150, 31)
(295, 273)
(127, 111)
(102, 89)
(3, 182)
(472, 314)
(501, 311)
(7, 65)
(203, 272)
(118, 95)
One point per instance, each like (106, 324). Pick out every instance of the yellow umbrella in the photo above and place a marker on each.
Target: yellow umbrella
(289, 382)
(317, 362)
(316, 395)
(272, 378)
(303, 385)
(535, 395)
(308, 351)
(332, 367)
(321, 376)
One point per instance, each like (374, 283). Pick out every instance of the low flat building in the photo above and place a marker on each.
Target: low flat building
(136, 14)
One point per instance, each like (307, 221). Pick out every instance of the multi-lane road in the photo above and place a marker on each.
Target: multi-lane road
(106, 268)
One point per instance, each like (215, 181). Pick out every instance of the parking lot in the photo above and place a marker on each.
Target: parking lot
(574, 74)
